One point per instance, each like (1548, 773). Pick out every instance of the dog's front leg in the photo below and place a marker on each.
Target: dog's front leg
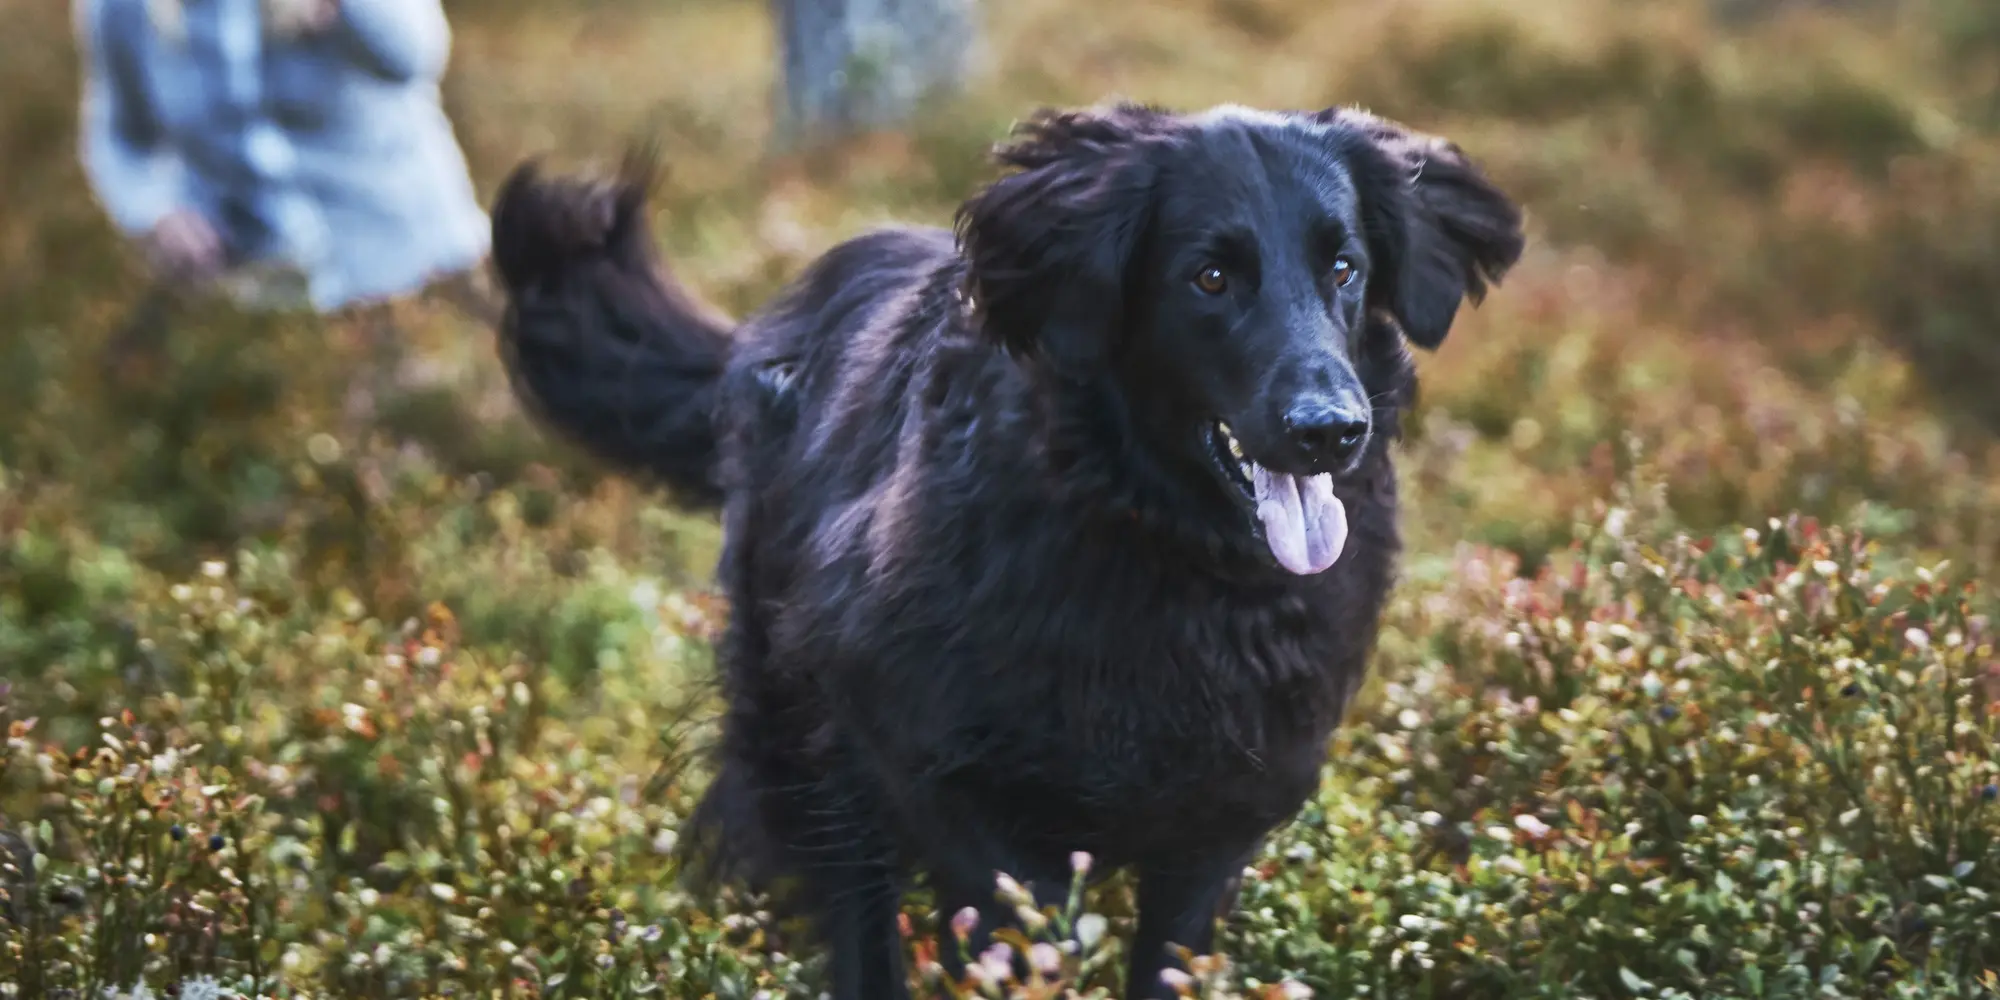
(1178, 906)
(851, 869)
(858, 921)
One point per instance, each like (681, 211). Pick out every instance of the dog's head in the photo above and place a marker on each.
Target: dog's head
(1229, 265)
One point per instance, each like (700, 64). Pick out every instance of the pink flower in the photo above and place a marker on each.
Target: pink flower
(1046, 958)
(1010, 889)
(997, 962)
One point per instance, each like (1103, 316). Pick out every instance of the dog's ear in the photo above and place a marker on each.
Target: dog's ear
(1048, 247)
(1439, 230)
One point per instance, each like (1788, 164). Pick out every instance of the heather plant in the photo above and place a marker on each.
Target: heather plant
(1686, 690)
(1753, 764)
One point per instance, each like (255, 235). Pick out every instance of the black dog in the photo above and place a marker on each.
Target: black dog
(1068, 534)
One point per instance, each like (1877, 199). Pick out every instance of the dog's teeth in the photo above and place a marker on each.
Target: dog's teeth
(1249, 471)
(1235, 446)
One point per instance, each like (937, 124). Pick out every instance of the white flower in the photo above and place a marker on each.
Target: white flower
(646, 595)
(1614, 522)
(201, 988)
(1295, 990)
(1531, 825)
(1010, 889)
(1090, 929)
(1079, 861)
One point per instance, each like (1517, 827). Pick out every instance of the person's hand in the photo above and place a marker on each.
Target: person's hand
(301, 17)
(319, 15)
(184, 247)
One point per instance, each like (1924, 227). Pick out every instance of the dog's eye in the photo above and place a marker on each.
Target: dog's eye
(1344, 271)
(1212, 280)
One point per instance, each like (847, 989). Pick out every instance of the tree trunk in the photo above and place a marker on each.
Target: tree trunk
(855, 65)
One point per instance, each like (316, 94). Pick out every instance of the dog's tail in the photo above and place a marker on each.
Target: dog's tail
(599, 340)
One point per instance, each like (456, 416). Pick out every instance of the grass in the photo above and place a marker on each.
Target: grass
(1685, 691)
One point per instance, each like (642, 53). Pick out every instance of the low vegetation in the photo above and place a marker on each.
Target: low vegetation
(1687, 690)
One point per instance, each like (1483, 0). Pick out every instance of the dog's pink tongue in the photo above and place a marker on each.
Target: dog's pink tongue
(1304, 523)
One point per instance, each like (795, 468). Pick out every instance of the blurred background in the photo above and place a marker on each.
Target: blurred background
(1766, 236)
(1764, 278)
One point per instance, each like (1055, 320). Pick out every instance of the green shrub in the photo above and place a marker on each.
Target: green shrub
(1755, 765)
(415, 707)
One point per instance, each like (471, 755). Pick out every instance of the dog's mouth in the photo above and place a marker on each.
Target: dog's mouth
(1229, 457)
(1299, 517)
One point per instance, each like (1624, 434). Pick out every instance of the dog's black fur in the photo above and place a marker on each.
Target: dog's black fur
(996, 597)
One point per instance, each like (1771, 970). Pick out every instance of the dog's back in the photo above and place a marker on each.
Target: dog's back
(829, 356)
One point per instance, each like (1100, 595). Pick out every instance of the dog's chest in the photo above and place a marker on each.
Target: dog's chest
(1018, 659)
(1188, 715)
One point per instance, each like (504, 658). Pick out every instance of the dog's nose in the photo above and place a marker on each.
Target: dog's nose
(1326, 433)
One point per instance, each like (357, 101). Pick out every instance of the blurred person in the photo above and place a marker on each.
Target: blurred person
(291, 154)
